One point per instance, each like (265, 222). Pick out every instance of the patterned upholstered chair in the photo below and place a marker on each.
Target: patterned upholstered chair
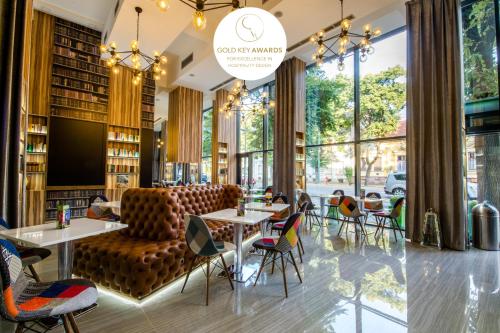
(392, 216)
(311, 215)
(22, 300)
(200, 242)
(101, 213)
(279, 198)
(282, 246)
(349, 209)
(29, 255)
(280, 225)
(333, 205)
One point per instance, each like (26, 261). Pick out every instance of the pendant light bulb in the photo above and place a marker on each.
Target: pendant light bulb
(199, 20)
(163, 5)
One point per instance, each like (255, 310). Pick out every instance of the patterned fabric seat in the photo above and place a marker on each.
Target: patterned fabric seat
(333, 205)
(200, 241)
(280, 198)
(392, 216)
(352, 214)
(310, 213)
(279, 227)
(29, 255)
(282, 246)
(374, 204)
(24, 301)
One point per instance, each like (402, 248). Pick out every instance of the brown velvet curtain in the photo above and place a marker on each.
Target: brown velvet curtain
(435, 117)
(184, 132)
(289, 118)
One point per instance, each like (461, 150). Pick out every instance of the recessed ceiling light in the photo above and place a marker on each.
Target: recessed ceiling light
(278, 14)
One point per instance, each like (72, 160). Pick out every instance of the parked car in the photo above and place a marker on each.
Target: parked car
(395, 183)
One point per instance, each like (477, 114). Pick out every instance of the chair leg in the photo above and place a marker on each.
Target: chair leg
(261, 267)
(295, 265)
(301, 246)
(208, 278)
(66, 324)
(34, 273)
(284, 274)
(227, 272)
(73, 323)
(341, 226)
(300, 254)
(393, 222)
(272, 265)
(20, 328)
(189, 272)
(399, 228)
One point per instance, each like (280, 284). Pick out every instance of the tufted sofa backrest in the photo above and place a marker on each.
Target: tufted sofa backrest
(158, 214)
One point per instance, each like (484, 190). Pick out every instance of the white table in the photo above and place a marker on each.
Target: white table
(47, 234)
(250, 218)
(262, 207)
(249, 197)
(114, 205)
(361, 202)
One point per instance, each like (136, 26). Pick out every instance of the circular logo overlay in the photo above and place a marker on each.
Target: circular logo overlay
(250, 43)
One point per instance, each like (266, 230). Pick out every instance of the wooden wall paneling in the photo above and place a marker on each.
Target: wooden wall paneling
(224, 131)
(184, 127)
(41, 63)
(35, 207)
(124, 105)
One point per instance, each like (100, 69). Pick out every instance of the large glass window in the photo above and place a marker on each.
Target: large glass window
(480, 20)
(206, 160)
(256, 139)
(335, 150)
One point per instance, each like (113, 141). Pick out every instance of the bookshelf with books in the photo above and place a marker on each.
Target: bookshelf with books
(148, 101)
(80, 79)
(222, 162)
(300, 161)
(77, 200)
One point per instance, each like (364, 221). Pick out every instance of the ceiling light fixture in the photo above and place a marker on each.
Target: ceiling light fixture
(137, 58)
(241, 100)
(344, 40)
(200, 7)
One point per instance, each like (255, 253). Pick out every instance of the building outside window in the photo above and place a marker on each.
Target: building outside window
(206, 152)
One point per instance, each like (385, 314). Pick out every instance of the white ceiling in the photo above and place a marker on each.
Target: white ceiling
(172, 32)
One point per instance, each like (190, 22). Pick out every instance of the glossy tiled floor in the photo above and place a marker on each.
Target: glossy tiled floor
(379, 286)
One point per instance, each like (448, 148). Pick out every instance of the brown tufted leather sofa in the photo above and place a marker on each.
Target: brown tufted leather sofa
(152, 251)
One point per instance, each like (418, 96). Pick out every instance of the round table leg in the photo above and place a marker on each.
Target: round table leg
(65, 260)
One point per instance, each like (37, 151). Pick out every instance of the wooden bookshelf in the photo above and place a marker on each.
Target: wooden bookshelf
(78, 200)
(122, 168)
(222, 162)
(148, 101)
(300, 161)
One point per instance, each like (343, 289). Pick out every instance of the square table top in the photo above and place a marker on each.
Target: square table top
(110, 204)
(261, 206)
(47, 234)
(229, 215)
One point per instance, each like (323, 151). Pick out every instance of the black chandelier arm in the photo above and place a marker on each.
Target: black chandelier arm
(353, 34)
(214, 8)
(148, 58)
(188, 4)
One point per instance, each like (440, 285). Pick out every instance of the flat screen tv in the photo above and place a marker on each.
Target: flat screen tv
(77, 153)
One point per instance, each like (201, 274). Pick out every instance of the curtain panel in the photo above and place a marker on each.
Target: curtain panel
(435, 114)
(289, 118)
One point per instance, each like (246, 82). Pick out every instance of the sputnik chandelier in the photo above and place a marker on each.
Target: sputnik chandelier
(240, 100)
(344, 39)
(200, 7)
(137, 58)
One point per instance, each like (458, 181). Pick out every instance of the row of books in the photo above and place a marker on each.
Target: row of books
(76, 26)
(113, 168)
(36, 147)
(73, 63)
(119, 136)
(148, 100)
(35, 167)
(63, 30)
(78, 212)
(147, 124)
(147, 108)
(77, 75)
(55, 195)
(37, 128)
(84, 96)
(122, 152)
(148, 116)
(73, 43)
(64, 51)
(148, 90)
(74, 103)
(62, 81)
(52, 204)
(79, 114)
